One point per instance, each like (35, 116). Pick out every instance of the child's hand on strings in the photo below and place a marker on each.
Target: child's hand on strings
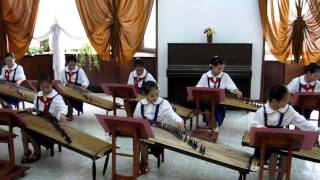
(180, 126)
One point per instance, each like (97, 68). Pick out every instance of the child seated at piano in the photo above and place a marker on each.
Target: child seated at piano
(74, 75)
(277, 113)
(216, 78)
(13, 73)
(154, 109)
(139, 75)
(309, 82)
(47, 103)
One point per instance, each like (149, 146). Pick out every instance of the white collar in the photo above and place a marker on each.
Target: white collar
(14, 66)
(209, 74)
(144, 101)
(142, 75)
(52, 94)
(75, 69)
(269, 110)
(303, 81)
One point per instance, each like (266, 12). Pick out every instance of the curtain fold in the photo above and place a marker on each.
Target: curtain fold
(115, 28)
(17, 22)
(291, 29)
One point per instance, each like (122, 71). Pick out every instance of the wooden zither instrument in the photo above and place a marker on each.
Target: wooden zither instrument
(242, 103)
(10, 89)
(75, 92)
(71, 138)
(169, 137)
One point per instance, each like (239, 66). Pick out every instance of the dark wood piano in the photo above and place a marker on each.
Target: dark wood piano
(188, 61)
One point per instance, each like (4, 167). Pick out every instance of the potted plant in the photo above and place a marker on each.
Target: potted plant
(209, 32)
(87, 54)
(32, 51)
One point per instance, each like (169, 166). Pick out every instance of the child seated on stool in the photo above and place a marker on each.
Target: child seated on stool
(139, 75)
(277, 113)
(309, 82)
(13, 73)
(76, 76)
(216, 78)
(157, 109)
(47, 103)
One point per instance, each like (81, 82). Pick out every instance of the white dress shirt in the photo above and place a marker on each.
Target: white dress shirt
(225, 83)
(293, 86)
(165, 114)
(16, 71)
(133, 74)
(57, 106)
(273, 117)
(82, 77)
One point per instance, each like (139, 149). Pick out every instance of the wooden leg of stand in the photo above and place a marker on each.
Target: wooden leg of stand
(262, 155)
(94, 169)
(128, 108)
(289, 160)
(52, 151)
(242, 176)
(136, 145)
(162, 156)
(113, 154)
(11, 146)
(105, 165)
(114, 107)
(319, 118)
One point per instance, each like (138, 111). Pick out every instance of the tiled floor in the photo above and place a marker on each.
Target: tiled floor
(68, 165)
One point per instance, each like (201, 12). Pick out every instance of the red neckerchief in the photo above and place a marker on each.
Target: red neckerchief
(137, 80)
(70, 74)
(215, 82)
(7, 74)
(307, 87)
(46, 103)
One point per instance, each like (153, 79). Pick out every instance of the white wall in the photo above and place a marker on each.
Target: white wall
(235, 21)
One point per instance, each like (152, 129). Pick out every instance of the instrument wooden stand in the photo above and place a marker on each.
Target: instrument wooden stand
(130, 127)
(8, 169)
(277, 140)
(123, 91)
(307, 100)
(213, 96)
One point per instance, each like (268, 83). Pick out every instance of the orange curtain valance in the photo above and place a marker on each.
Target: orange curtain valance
(115, 28)
(292, 29)
(17, 22)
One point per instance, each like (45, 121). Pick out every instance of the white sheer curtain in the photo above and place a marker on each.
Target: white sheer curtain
(59, 21)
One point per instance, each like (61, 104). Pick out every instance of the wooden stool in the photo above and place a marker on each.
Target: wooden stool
(8, 169)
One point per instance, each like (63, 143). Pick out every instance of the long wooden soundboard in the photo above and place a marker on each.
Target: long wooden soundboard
(220, 154)
(10, 89)
(244, 104)
(86, 96)
(82, 143)
(312, 155)
(185, 112)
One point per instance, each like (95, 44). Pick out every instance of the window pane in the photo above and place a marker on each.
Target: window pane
(150, 34)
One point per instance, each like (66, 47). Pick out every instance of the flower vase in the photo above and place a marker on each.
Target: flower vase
(209, 38)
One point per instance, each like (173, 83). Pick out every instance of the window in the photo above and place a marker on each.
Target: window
(65, 14)
(149, 41)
